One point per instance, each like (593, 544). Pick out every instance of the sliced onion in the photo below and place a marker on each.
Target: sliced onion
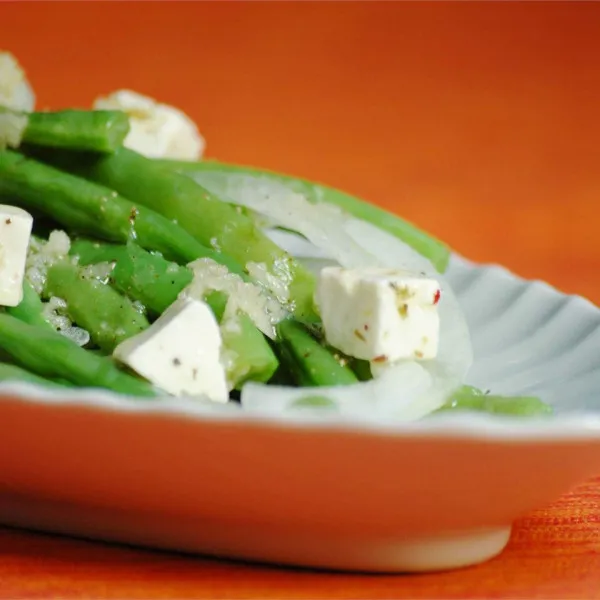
(395, 393)
(312, 258)
(296, 245)
(319, 223)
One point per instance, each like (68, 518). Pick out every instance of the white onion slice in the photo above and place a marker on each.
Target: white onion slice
(319, 223)
(395, 393)
(312, 258)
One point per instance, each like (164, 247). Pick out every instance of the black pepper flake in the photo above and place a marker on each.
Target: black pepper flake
(8, 221)
(403, 310)
(176, 362)
(194, 373)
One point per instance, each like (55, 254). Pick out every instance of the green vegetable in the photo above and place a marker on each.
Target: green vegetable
(156, 283)
(109, 317)
(218, 173)
(12, 373)
(49, 354)
(89, 252)
(309, 363)
(92, 130)
(251, 357)
(211, 221)
(320, 402)
(361, 368)
(92, 209)
(30, 309)
(468, 398)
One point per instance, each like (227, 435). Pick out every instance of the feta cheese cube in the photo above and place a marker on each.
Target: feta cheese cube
(15, 91)
(379, 314)
(156, 130)
(15, 231)
(180, 352)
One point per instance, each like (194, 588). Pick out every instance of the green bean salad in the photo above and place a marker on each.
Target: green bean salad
(129, 263)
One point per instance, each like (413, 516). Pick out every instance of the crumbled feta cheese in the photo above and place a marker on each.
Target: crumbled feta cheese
(43, 255)
(15, 230)
(209, 276)
(12, 128)
(76, 334)
(15, 91)
(379, 314)
(278, 285)
(180, 352)
(100, 271)
(55, 312)
(156, 130)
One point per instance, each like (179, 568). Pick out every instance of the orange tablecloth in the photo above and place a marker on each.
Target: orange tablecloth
(477, 121)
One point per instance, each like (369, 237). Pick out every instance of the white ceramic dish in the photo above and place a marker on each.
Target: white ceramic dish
(324, 492)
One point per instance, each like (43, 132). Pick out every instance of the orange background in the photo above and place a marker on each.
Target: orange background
(480, 122)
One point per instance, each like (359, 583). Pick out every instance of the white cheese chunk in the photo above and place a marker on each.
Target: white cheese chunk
(15, 91)
(180, 352)
(156, 130)
(15, 231)
(379, 314)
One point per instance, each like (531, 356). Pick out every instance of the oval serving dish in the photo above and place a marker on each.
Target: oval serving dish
(325, 491)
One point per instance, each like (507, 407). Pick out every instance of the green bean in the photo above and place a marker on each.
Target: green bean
(89, 252)
(213, 222)
(251, 357)
(30, 309)
(361, 368)
(12, 373)
(148, 278)
(156, 282)
(92, 209)
(216, 176)
(109, 317)
(309, 363)
(312, 402)
(92, 130)
(49, 354)
(468, 398)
